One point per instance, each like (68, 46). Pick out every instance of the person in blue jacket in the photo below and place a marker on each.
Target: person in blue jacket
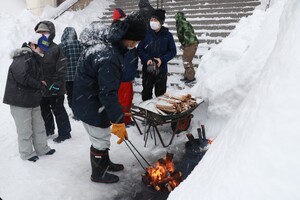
(125, 92)
(96, 84)
(158, 47)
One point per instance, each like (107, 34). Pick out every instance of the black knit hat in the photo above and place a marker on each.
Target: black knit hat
(160, 15)
(137, 27)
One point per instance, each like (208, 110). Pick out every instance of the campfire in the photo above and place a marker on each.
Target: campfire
(162, 175)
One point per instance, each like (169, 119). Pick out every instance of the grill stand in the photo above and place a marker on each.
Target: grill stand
(152, 123)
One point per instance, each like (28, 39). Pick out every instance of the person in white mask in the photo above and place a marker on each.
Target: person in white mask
(158, 47)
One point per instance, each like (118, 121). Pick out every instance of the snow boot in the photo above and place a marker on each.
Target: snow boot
(100, 164)
(114, 167)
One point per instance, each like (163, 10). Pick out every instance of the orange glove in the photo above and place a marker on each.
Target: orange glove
(120, 131)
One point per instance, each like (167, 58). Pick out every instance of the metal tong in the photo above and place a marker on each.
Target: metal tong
(127, 142)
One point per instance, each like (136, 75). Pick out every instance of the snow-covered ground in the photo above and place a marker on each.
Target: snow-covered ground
(249, 83)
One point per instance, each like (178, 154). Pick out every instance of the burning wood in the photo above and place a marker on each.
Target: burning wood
(162, 176)
(175, 103)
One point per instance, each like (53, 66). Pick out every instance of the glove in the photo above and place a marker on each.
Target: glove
(120, 131)
(54, 88)
(153, 69)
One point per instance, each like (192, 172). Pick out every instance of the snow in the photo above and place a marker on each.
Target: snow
(249, 83)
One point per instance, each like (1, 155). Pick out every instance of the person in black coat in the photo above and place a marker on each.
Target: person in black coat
(23, 94)
(96, 84)
(54, 71)
(155, 51)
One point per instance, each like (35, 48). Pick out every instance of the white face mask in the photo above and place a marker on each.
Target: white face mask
(47, 35)
(129, 48)
(155, 25)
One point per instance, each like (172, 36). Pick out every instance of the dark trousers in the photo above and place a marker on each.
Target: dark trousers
(159, 83)
(55, 105)
(69, 90)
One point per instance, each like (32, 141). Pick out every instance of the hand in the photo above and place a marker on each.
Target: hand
(44, 83)
(120, 131)
(153, 68)
(158, 61)
(149, 62)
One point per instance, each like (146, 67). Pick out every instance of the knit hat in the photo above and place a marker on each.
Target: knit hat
(42, 27)
(40, 40)
(137, 27)
(160, 15)
(118, 14)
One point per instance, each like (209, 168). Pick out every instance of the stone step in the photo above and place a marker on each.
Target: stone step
(172, 2)
(212, 20)
(197, 16)
(197, 11)
(179, 6)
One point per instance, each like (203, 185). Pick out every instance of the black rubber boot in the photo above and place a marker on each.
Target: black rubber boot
(100, 164)
(114, 167)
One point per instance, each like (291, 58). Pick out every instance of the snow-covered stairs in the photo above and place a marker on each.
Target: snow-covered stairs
(212, 20)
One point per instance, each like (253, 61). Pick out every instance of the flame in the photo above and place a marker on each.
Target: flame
(163, 172)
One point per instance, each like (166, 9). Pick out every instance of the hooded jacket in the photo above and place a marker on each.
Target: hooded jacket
(159, 45)
(185, 31)
(72, 49)
(23, 85)
(98, 77)
(54, 64)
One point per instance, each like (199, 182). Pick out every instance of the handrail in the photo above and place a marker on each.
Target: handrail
(59, 14)
(268, 5)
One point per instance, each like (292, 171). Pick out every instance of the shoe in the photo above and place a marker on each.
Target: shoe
(113, 167)
(50, 152)
(183, 79)
(60, 139)
(189, 81)
(49, 133)
(33, 159)
(100, 164)
(75, 118)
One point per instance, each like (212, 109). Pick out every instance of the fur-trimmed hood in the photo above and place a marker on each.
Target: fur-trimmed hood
(20, 52)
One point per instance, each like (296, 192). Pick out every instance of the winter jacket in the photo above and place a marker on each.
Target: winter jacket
(98, 77)
(54, 65)
(159, 45)
(130, 65)
(72, 49)
(23, 85)
(185, 31)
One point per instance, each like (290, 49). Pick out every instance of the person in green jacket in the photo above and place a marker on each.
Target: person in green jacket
(189, 44)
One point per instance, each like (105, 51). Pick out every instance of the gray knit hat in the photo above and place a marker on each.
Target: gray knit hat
(42, 27)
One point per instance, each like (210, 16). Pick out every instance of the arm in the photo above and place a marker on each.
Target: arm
(61, 67)
(171, 50)
(144, 56)
(180, 32)
(109, 76)
(20, 70)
